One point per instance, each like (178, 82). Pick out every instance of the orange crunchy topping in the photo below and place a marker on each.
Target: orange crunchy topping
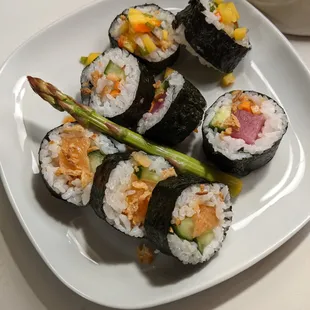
(95, 77)
(157, 84)
(68, 119)
(141, 159)
(145, 254)
(86, 91)
(92, 149)
(232, 121)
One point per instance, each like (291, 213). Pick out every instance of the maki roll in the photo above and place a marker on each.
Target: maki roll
(68, 158)
(146, 32)
(177, 110)
(118, 87)
(122, 188)
(242, 131)
(188, 218)
(211, 31)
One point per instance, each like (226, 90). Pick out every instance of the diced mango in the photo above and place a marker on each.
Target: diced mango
(218, 1)
(148, 43)
(228, 12)
(165, 35)
(240, 33)
(89, 59)
(124, 27)
(233, 8)
(228, 79)
(125, 42)
(141, 22)
(168, 72)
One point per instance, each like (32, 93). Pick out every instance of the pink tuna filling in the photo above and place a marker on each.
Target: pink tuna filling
(250, 126)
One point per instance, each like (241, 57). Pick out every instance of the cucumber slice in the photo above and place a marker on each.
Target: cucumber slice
(145, 174)
(95, 159)
(114, 69)
(204, 240)
(219, 118)
(185, 229)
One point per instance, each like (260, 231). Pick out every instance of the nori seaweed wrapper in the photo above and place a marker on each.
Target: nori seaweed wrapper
(213, 45)
(240, 167)
(101, 178)
(182, 118)
(162, 203)
(153, 67)
(141, 103)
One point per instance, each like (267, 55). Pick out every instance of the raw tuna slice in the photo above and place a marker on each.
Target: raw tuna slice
(250, 126)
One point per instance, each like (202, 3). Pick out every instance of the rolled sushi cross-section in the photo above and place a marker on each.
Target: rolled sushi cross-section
(146, 32)
(68, 158)
(188, 218)
(118, 87)
(210, 30)
(242, 131)
(177, 110)
(123, 186)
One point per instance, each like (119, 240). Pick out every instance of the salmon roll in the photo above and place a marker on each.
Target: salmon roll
(123, 186)
(117, 87)
(146, 32)
(210, 30)
(68, 158)
(176, 111)
(242, 131)
(189, 218)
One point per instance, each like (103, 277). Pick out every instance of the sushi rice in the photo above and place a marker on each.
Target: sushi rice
(108, 105)
(118, 189)
(49, 164)
(218, 197)
(167, 19)
(235, 149)
(149, 120)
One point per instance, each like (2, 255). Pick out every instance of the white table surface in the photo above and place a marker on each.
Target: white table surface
(281, 281)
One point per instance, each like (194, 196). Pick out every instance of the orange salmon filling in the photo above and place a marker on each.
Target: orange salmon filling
(204, 220)
(73, 159)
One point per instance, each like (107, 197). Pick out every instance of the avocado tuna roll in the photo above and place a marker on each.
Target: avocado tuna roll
(122, 188)
(146, 32)
(177, 110)
(118, 87)
(188, 218)
(68, 158)
(211, 32)
(242, 131)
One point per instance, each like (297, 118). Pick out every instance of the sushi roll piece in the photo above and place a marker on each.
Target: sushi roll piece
(242, 131)
(211, 32)
(146, 32)
(122, 188)
(68, 158)
(117, 87)
(189, 218)
(176, 111)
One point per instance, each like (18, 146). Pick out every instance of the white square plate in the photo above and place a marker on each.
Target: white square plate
(90, 257)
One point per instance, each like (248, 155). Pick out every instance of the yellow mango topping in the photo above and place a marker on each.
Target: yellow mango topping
(168, 72)
(240, 33)
(89, 59)
(218, 1)
(228, 79)
(148, 43)
(228, 12)
(165, 35)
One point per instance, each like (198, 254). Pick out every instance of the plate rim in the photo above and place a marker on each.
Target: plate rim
(176, 296)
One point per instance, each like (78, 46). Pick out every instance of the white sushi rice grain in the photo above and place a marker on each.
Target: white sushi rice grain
(48, 156)
(187, 251)
(275, 124)
(110, 106)
(167, 19)
(117, 190)
(149, 120)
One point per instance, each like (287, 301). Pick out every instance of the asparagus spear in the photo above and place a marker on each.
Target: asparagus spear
(88, 117)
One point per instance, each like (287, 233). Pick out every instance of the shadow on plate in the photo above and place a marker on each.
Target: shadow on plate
(189, 66)
(56, 208)
(35, 132)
